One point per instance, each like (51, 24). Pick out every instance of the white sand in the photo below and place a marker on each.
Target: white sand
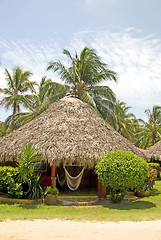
(72, 230)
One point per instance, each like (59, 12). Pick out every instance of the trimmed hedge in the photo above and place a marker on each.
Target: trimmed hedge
(119, 171)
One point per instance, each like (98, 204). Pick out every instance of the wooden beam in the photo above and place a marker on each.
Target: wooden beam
(53, 176)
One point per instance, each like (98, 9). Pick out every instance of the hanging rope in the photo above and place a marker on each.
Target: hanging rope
(61, 183)
(73, 182)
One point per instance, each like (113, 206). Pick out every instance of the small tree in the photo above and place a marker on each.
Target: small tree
(119, 171)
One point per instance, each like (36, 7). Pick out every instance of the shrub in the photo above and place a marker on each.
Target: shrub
(9, 181)
(6, 174)
(51, 191)
(15, 189)
(28, 161)
(119, 171)
(150, 180)
(22, 181)
(154, 165)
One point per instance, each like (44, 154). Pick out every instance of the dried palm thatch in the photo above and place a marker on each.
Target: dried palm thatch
(69, 131)
(154, 152)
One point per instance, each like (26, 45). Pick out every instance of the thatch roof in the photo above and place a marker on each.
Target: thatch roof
(68, 131)
(154, 152)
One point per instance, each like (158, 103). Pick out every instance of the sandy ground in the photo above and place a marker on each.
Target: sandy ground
(72, 230)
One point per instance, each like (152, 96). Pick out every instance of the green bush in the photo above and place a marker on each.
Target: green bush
(22, 181)
(150, 180)
(9, 181)
(6, 174)
(119, 171)
(154, 165)
(15, 189)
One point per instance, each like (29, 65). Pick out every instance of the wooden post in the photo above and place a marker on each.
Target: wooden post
(53, 176)
(101, 190)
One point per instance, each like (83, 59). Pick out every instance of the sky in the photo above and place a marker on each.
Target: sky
(125, 34)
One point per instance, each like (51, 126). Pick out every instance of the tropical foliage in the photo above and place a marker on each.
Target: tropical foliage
(51, 191)
(17, 86)
(28, 162)
(122, 120)
(84, 76)
(22, 181)
(3, 129)
(9, 181)
(150, 132)
(47, 93)
(119, 171)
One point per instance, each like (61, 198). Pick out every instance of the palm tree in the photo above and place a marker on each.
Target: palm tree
(3, 129)
(122, 120)
(36, 103)
(17, 86)
(84, 75)
(150, 131)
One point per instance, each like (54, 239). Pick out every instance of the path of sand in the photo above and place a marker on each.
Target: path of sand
(72, 230)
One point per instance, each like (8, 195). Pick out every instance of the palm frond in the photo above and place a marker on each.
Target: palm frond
(85, 97)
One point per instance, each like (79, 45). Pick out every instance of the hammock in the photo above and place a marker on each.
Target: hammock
(73, 182)
(61, 183)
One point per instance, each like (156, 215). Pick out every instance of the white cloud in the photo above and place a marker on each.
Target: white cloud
(2, 78)
(28, 55)
(137, 61)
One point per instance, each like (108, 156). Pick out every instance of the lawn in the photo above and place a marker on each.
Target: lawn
(144, 209)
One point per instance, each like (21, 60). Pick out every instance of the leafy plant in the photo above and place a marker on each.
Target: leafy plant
(23, 181)
(6, 174)
(154, 165)
(35, 190)
(51, 191)
(28, 161)
(119, 171)
(9, 181)
(15, 189)
(150, 180)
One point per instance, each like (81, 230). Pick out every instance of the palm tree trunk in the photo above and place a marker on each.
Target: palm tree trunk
(154, 132)
(14, 108)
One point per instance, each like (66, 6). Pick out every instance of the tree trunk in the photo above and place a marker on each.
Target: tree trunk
(53, 176)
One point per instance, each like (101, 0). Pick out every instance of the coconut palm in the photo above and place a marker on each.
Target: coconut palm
(136, 130)
(17, 86)
(3, 129)
(36, 103)
(122, 120)
(48, 92)
(150, 131)
(84, 76)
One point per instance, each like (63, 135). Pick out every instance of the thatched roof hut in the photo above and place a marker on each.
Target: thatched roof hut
(68, 131)
(154, 152)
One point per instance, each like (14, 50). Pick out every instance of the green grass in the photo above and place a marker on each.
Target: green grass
(145, 209)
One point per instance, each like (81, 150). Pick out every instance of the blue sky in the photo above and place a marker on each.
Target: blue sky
(125, 34)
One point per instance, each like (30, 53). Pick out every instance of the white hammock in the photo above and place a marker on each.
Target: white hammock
(73, 182)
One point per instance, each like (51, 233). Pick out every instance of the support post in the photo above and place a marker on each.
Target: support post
(53, 176)
(101, 190)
